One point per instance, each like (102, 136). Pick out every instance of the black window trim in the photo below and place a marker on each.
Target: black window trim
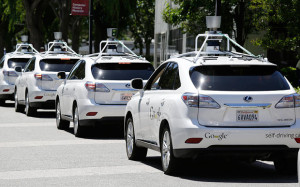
(75, 67)
(32, 60)
(160, 68)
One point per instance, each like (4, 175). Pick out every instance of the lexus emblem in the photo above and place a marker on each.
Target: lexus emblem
(248, 99)
(127, 85)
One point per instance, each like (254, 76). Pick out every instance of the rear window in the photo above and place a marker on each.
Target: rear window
(238, 78)
(116, 71)
(14, 62)
(57, 65)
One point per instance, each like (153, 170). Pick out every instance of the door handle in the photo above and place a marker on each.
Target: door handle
(148, 101)
(162, 102)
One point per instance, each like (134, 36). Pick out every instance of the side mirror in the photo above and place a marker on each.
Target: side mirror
(18, 69)
(61, 75)
(137, 84)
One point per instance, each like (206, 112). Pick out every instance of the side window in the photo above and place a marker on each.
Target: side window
(2, 62)
(152, 84)
(78, 73)
(30, 65)
(169, 78)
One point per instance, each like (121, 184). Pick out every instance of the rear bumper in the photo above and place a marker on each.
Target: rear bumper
(50, 104)
(245, 151)
(216, 138)
(46, 102)
(7, 90)
(104, 120)
(103, 111)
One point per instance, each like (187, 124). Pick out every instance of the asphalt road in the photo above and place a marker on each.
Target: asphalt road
(34, 153)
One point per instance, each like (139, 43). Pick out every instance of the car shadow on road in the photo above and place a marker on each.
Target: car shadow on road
(8, 105)
(44, 114)
(225, 170)
(103, 131)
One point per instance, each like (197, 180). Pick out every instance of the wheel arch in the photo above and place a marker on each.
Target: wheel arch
(74, 105)
(128, 115)
(164, 124)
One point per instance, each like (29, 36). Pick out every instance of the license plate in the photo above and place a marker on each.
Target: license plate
(49, 94)
(247, 115)
(126, 96)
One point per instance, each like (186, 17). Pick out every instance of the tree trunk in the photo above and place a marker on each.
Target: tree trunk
(64, 18)
(240, 24)
(148, 47)
(76, 35)
(34, 10)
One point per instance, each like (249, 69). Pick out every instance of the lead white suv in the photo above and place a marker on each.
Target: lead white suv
(215, 102)
(36, 87)
(98, 87)
(8, 74)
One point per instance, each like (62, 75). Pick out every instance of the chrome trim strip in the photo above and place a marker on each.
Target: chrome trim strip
(125, 90)
(147, 144)
(248, 105)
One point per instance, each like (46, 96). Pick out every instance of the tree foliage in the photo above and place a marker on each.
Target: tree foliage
(142, 25)
(190, 16)
(281, 21)
(111, 14)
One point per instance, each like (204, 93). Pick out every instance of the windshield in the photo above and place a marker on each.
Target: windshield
(14, 62)
(57, 65)
(116, 71)
(238, 78)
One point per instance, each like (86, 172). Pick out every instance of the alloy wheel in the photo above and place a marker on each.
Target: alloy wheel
(166, 149)
(130, 138)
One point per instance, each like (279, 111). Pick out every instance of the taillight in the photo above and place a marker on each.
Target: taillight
(42, 77)
(97, 87)
(207, 102)
(101, 88)
(200, 101)
(190, 99)
(297, 100)
(90, 86)
(10, 73)
(289, 101)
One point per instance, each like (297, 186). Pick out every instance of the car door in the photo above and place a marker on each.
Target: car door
(163, 103)
(75, 77)
(145, 109)
(23, 82)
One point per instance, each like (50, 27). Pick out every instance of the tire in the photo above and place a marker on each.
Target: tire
(60, 123)
(286, 164)
(29, 111)
(167, 157)
(133, 152)
(18, 107)
(78, 129)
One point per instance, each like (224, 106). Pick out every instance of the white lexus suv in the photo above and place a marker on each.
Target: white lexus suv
(215, 102)
(98, 87)
(36, 87)
(8, 74)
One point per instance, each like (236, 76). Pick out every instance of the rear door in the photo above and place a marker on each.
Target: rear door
(247, 96)
(113, 81)
(50, 67)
